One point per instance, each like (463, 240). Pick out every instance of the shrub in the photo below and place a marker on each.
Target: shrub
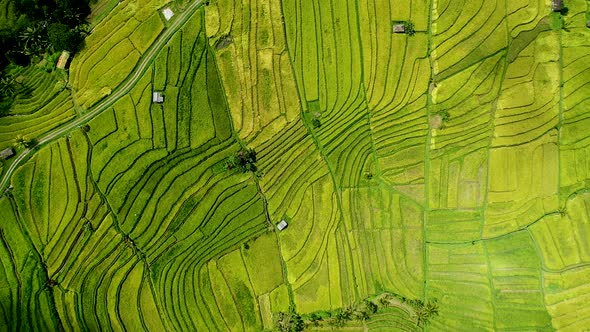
(410, 30)
(289, 322)
(244, 160)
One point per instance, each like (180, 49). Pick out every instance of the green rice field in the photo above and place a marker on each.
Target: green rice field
(433, 180)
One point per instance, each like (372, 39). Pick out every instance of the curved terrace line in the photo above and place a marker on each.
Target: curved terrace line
(120, 91)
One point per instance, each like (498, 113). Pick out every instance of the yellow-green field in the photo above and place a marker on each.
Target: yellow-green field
(436, 180)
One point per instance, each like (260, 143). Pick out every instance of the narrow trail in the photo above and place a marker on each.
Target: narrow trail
(104, 105)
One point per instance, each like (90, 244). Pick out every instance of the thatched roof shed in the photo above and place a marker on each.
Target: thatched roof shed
(399, 28)
(7, 153)
(62, 62)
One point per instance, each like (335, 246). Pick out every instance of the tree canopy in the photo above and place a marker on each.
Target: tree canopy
(244, 160)
(35, 27)
(63, 38)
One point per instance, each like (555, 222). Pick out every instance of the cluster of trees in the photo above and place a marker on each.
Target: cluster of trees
(36, 27)
(9, 87)
(315, 121)
(445, 117)
(24, 142)
(290, 322)
(293, 322)
(361, 312)
(410, 29)
(32, 30)
(423, 312)
(244, 160)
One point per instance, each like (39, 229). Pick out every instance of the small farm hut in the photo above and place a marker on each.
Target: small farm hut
(168, 13)
(282, 225)
(399, 28)
(7, 153)
(62, 62)
(158, 97)
(557, 5)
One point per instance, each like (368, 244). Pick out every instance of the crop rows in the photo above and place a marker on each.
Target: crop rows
(532, 224)
(397, 72)
(26, 303)
(330, 82)
(525, 16)
(331, 249)
(529, 103)
(100, 9)
(523, 185)
(253, 64)
(39, 88)
(565, 295)
(387, 240)
(574, 139)
(457, 34)
(247, 295)
(41, 105)
(90, 265)
(394, 319)
(446, 165)
(309, 247)
(467, 64)
(56, 112)
(115, 210)
(295, 179)
(159, 175)
(114, 47)
(561, 238)
(469, 98)
(488, 285)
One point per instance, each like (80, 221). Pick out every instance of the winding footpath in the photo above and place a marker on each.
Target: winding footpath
(120, 91)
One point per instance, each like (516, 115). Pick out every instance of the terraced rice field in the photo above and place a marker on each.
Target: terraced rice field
(42, 105)
(452, 164)
(113, 49)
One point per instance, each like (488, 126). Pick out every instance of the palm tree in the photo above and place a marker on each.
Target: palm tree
(26, 38)
(7, 86)
(25, 142)
(84, 29)
(425, 312)
(431, 308)
(20, 141)
(33, 39)
(362, 315)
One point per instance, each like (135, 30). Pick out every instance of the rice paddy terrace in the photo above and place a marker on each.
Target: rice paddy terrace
(447, 165)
